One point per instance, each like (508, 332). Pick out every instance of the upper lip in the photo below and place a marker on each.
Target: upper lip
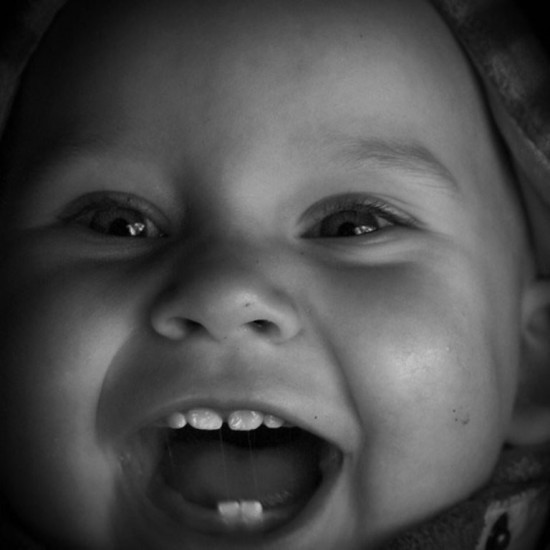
(322, 423)
(132, 400)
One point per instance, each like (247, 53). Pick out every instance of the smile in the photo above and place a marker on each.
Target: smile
(232, 474)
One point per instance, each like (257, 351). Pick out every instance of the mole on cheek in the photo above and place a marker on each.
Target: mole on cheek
(462, 417)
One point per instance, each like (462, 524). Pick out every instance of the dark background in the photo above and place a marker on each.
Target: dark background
(539, 21)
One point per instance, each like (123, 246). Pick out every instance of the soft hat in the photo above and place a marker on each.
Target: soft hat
(514, 68)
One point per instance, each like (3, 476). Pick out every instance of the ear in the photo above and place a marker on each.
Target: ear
(531, 419)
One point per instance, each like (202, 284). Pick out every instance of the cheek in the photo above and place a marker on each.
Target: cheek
(429, 333)
(57, 339)
(418, 358)
(421, 371)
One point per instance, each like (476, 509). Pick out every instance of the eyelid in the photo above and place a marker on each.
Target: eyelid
(339, 203)
(110, 199)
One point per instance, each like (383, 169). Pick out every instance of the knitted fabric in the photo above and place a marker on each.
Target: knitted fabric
(515, 70)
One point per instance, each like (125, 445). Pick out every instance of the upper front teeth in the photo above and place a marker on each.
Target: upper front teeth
(245, 420)
(208, 419)
(204, 419)
(176, 420)
(273, 421)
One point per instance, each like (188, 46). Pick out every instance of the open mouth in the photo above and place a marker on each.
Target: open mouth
(235, 474)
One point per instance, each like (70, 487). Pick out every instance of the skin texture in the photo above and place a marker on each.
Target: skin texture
(239, 127)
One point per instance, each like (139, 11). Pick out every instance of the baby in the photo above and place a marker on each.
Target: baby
(267, 282)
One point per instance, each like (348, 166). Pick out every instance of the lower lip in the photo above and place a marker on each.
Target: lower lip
(210, 522)
(173, 518)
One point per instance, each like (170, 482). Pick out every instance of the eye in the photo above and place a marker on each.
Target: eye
(351, 223)
(353, 217)
(115, 216)
(120, 222)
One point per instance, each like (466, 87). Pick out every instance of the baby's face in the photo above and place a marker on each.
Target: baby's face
(292, 208)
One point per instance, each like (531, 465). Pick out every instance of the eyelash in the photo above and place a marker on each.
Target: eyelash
(348, 211)
(115, 215)
(379, 217)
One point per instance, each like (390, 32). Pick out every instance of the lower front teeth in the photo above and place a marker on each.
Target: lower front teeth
(241, 513)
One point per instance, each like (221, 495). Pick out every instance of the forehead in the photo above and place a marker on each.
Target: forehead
(267, 41)
(234, 24)
(367, 66)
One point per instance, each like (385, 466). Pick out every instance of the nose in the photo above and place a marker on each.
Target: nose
(224, 296)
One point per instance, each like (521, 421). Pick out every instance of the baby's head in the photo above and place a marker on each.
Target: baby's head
(258, 212)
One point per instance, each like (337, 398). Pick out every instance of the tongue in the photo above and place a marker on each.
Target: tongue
(211, 471)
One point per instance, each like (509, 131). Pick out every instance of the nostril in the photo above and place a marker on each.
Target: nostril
(175, 328)
(265, 328)
(261, 325)
(270, 330)
(224, 316)
(191, 325)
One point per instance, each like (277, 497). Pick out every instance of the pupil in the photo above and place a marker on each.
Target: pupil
(119, 227)
(347, 229)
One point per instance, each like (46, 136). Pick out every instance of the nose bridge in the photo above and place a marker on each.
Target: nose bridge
(225, 290)
(222, 284)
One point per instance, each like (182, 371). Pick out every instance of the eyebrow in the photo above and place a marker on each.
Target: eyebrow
(411, 158)
(67, 152)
